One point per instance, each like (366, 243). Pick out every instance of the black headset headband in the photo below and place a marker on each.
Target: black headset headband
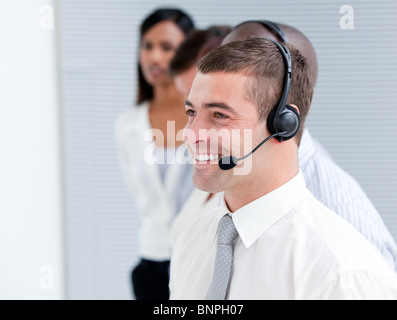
(270, 25)
(282, 105)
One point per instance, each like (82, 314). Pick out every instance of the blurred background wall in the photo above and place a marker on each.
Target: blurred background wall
(64, 202)
(31, 220)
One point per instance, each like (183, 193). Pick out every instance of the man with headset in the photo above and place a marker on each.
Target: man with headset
(324, 178)
(270, 238)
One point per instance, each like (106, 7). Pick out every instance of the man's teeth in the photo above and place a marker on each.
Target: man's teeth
(206, 157)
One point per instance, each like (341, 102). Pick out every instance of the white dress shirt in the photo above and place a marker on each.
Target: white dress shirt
(158, 199)
(330, 184)
(197, 203)
(290, 246)
(340, 192)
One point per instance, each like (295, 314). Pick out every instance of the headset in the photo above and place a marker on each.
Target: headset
(283, 121)
(270, 25)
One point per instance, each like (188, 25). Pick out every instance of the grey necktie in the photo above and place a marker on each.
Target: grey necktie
(223, 262)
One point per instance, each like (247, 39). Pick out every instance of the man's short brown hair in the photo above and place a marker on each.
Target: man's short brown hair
(261, 60)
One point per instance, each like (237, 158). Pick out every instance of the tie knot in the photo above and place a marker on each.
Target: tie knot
(226, 230)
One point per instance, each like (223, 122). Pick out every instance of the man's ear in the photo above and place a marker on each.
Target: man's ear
(295, 107)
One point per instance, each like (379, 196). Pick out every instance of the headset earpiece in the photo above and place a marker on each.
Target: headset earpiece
(286, 124)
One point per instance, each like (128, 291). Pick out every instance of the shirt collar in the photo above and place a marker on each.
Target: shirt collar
(255, 218)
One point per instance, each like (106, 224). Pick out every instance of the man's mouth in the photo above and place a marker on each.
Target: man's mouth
(204, 158)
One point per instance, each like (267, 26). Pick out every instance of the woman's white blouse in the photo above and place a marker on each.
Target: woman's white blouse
(158, 200)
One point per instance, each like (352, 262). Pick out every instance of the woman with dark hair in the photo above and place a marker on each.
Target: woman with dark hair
(150, 149)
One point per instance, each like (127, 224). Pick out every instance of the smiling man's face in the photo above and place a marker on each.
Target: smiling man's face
(221, 122)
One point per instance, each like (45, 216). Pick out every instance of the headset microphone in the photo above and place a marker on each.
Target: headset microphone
(229, 162)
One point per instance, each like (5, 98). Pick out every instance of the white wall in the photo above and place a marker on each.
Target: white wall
(31, 244)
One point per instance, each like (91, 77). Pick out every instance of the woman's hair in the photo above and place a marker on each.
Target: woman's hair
(181, 19)
(196, 45)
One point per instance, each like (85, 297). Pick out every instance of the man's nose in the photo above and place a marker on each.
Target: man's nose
(195, 131)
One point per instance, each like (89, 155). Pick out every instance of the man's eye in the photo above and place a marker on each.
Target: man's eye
(190, 113)
(219, 115)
